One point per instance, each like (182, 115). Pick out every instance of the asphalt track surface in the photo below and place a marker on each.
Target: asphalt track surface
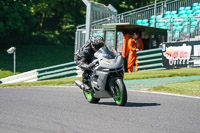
(65, 110)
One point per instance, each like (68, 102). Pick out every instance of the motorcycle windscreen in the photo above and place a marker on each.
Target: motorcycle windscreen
(104, 52)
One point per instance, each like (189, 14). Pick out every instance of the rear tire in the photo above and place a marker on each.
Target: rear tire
(90, 98)
(120, 95)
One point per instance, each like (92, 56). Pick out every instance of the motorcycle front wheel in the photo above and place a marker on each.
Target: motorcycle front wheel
(120, 93)
(90, 98)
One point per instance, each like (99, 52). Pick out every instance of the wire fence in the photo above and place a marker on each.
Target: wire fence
(142, 13)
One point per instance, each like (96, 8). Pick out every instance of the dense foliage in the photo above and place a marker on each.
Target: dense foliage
(16, 21)
(48, 21)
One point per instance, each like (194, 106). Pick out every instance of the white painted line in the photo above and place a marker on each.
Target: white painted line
(167, 94)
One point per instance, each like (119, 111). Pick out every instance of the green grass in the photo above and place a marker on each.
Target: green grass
(128, 76)
(4, 74)
(186, 88)
(31, 57)
(54, 82)
(165, 73)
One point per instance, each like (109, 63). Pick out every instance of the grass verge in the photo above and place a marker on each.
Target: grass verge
(54, 82)
(191, 88)
(128, 76)
(29, 57)
(164, 73)
(5, 73)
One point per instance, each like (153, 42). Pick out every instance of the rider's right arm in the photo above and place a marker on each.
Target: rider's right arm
(83, 61)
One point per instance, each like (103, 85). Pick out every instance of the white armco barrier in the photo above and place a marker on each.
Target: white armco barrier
(79, 71)
(40, 74)
(32, 80)
(27, 76)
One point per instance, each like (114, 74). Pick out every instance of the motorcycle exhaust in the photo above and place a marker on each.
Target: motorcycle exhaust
(79, 84)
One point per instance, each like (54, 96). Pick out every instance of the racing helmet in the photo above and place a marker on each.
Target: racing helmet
(97, 42)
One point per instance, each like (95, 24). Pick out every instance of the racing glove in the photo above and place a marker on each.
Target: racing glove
(91, 65)
(86, 66)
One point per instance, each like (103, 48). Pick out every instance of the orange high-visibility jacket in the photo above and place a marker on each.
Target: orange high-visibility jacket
(132, 54)
(133, 45)
(125, 50)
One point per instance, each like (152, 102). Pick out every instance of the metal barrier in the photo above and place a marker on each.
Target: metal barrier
(142, 13)
(96, 11)
(26, 76)
(58, 71)
(132, 16)
(150, 60)
(184, 31)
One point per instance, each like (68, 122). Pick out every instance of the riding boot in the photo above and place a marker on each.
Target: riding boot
(85, 81)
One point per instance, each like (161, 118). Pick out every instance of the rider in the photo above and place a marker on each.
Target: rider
(84, 58)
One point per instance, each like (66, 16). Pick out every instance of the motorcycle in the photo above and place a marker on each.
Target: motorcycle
(106, 78)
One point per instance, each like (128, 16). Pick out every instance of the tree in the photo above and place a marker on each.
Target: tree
(49, 21)
(15, 21)
(58, 18)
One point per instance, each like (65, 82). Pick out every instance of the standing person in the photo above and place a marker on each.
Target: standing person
(84, 58)
(125, 51)
(135, 45)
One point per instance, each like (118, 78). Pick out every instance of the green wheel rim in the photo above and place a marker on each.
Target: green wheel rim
(118, 100)
(88, 95)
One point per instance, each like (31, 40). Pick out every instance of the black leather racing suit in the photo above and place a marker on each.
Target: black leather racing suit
(83, 59)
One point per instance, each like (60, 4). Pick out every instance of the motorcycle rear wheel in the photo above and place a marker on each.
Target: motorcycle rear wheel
(90, 98)
(120, 95)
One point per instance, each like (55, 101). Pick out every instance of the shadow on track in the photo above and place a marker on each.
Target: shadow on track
(130, 104)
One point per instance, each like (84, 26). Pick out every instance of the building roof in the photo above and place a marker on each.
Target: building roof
(127, 27)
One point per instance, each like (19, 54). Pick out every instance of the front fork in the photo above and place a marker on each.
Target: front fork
(112, 85)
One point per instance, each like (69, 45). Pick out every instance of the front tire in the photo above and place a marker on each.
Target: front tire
(120, 93)
(90, 98)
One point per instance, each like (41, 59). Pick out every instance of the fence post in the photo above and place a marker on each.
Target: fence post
(88, 19)
(188, 31)
(171, 31)
(154, 13)
(14, 62)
